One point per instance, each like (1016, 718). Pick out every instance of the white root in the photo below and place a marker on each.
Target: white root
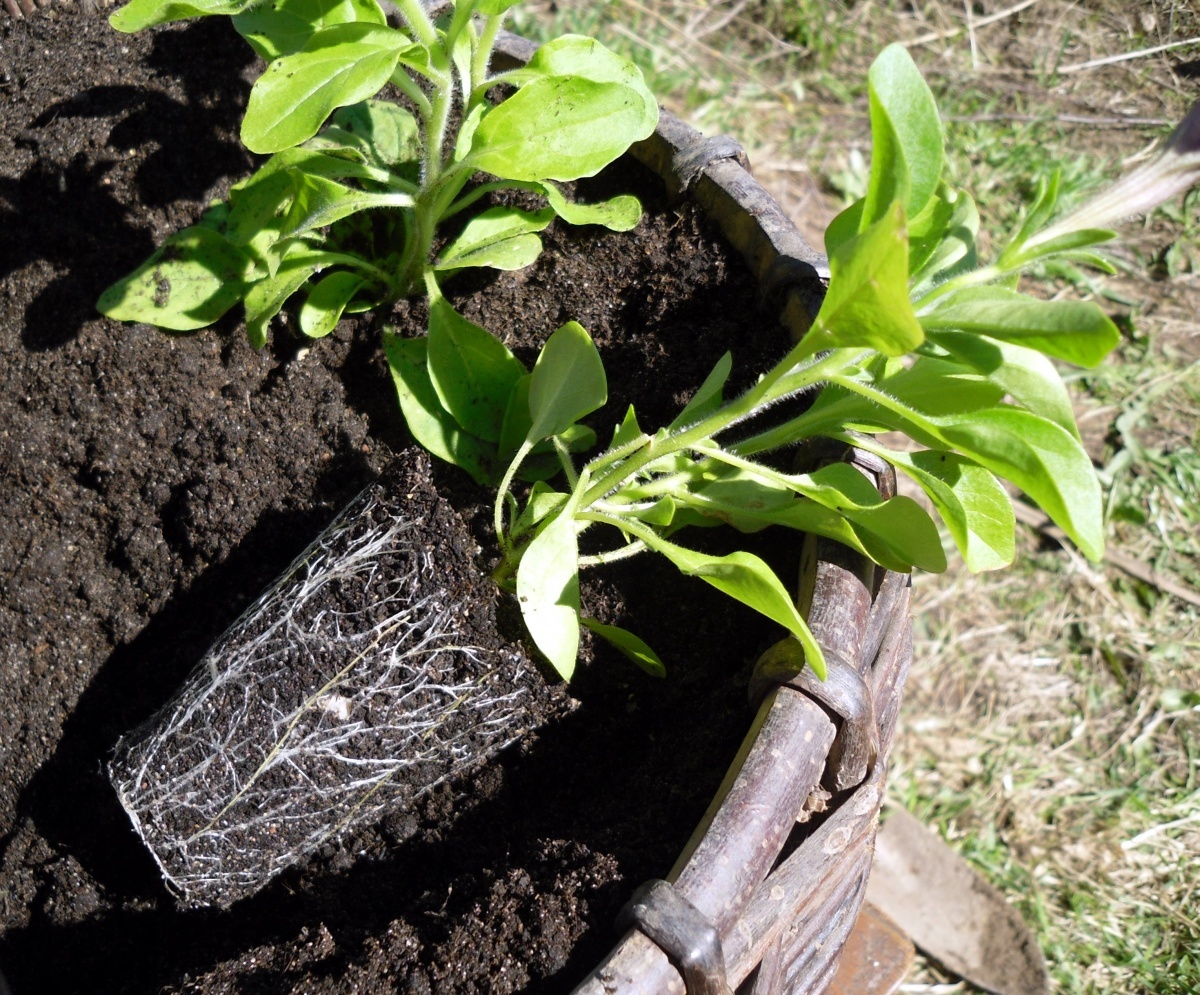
(247, 772)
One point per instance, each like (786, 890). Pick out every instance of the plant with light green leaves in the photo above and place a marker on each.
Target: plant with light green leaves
(346, 211)
(916, 336)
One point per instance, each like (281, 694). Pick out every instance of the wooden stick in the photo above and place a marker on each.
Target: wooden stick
(1108, 60)
(1036, 519)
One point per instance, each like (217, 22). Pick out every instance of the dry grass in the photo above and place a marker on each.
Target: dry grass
(1052, 726)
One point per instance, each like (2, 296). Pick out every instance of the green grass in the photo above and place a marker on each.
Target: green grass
(1052, 724)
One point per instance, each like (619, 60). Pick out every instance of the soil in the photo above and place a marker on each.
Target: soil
(153, 485)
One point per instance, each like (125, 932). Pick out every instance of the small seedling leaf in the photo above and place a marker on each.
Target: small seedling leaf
(190, 282)
(500, 238)
(619, 213)
(548, 593)
(708, 397)
(630, 645)
(265, 299)
(568, 382)
(326, 302)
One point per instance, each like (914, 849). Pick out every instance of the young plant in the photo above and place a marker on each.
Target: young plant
(915, 336)
(346, 211)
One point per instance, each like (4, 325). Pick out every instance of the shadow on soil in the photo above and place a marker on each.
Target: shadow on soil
(64, 214)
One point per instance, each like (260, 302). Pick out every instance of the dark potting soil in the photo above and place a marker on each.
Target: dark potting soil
(153, 485)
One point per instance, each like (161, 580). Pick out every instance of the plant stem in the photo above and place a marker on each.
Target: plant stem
(416, 18)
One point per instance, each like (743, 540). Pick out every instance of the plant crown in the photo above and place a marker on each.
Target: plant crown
(915, 336)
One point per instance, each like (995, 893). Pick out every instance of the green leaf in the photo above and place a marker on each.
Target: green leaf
(1039, 213)
(619, 213)
(906, 137)
(745, 578)
(568, 382)
(193, 279)
(1044, 460)
(326, 302)
(1077, 331)
(431, 425)
(1025, 374)
(339, 65)
(472, 371)
(146, 13)
(899, 523)
(708, 397)
(548, 593)
(319, 202)
(560, 128)
(281, 27)
(1068, 244)
(970, 500)
(628, 430)
(843, 227)
(543, 502)
(941, 239)
(265, 299)
(515, 428)
(938, 386)
(584, 57)
(493, 8)
(501, 238)
(384, 133)
(867, 303)
(630, 645)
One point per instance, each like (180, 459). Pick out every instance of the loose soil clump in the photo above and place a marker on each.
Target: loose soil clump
(155, 485)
